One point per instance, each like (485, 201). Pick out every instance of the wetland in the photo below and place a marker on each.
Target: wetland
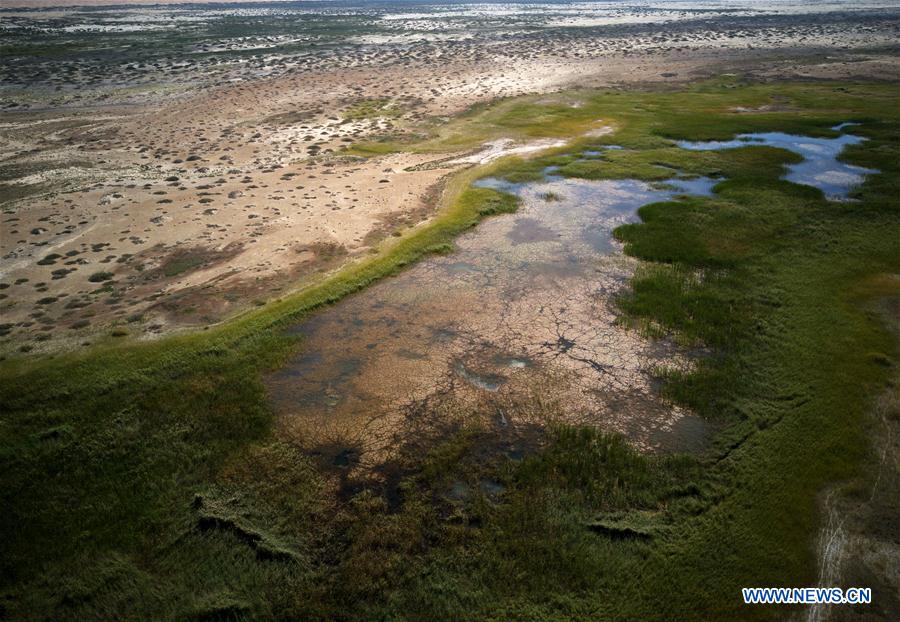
(521, 307)
(435, 311)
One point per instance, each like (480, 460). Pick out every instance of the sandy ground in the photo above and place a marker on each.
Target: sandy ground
(144, 216)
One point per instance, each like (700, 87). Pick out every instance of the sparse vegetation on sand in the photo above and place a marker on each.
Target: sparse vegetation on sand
(372, 109)
(147, 481)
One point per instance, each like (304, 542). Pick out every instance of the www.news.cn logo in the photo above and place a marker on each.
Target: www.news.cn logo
(806, 596)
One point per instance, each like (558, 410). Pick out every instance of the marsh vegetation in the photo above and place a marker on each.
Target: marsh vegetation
(155, 479)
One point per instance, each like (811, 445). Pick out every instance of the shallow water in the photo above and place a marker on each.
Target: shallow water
(820, 167)
(523, 305)
(516, 323)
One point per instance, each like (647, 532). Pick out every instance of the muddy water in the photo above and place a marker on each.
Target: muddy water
(516, 325)
(519, 313)
(820, 167)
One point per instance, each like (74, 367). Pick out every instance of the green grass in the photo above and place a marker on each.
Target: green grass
(372, 109)
(182, 263)
(146, 480)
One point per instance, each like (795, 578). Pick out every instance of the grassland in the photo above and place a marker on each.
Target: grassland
(148, 481)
